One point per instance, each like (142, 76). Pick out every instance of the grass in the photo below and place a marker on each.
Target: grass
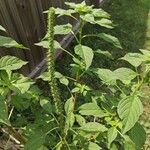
(132, 28)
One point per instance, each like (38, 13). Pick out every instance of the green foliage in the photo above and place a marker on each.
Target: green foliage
(76, 116)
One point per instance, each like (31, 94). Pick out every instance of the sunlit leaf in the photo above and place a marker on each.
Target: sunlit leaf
(20, 83)
(10, 43)
(80, 120)
(105, 53)
(45, 44)
(106, 76)
(125, 75)
(63, 29)
(11, 63)
(91, 109)
(2, 28)
(135, 59)
(93, 146)
(104, 23)
(111, 134)
(111, 39)
(86, 53)
(93, 127)
(100, 13)
(129, 110)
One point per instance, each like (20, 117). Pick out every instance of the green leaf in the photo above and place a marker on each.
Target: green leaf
(62, 78)
(80, 120)
(46, 104)
(20, 83)
(128, 144)
(10, 43)
(105, 53)
(135, 59)
(3, 113)
(45, 44)
(106, 76)
(138, 135)
(43, 148)
(91, 109)
(2, 28)
(93, 146)
(129, 110)
(100, 13)
(93, 127)
(20, 103)
(61, 12)
(11, 63)
(63, 29)
(125, 75)
(88, 18)
(111, 134)
(80, 8)
(86, 53)
(45, 76)
(111, 39)
(70, 119)
(35, 141)
(69, 105)
(105, 23)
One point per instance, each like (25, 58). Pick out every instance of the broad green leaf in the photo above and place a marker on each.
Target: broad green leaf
(105, 53)
(45, 76)
(86, 53)
(11, 63)
(10, 43)
(62, 78)
(20, 83)
(80, 8)
(45, 44)
(91, 109)
(135, 59)
(138, 135)
(125, 75)
(93, 127)
(43, 148)
(2, 28)
(69, 105)
(63, 29)
(35, 141)
(20, 103)
(100, 13)
(46, 104)
(70, 119)
(111, 39)
(93, 146)
(88, 18)
(128, 144)
(111, 134)
(61, 12)
(104, 23)
(80, 120)
(3, 113)
(106, 76)
(129, 110)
